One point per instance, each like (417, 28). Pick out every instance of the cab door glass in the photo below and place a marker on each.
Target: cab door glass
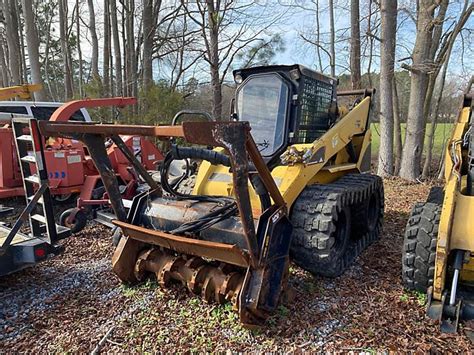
(263, 102)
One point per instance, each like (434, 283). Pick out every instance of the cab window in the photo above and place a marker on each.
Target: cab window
(263, 102)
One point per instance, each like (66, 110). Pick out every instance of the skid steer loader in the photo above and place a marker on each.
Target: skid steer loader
(286, 178)
(438, 246)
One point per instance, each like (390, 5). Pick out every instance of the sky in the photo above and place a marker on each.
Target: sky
(297, 21)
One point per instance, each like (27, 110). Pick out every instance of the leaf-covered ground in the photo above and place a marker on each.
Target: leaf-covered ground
(71, 302)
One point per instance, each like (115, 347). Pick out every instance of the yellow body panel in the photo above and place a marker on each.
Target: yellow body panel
(292, 179)
(462, 234)
(456, 207)
(21, 91)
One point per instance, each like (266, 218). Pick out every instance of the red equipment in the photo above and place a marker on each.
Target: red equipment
(70, 169)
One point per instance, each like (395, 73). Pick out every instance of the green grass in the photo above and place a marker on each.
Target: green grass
(442, 133)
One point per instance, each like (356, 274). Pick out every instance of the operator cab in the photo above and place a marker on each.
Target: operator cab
(284, 104)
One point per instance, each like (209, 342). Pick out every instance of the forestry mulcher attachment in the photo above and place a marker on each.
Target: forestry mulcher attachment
(284, 178)
(438, 250)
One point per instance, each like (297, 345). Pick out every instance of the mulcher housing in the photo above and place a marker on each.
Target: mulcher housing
(283, 178)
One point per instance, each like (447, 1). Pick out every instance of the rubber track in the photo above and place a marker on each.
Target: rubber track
(314, 215)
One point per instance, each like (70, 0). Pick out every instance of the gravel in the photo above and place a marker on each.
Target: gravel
(69, 303)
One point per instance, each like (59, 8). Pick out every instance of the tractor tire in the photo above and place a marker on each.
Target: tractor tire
(79, 222)
(436, 195)
(419, 246)
(334, 223)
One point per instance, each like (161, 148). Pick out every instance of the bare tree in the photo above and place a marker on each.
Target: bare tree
(332, 41)
(32, 42)
(13, 41)
(151, 10)
(411, 156)
(107, 50)
(397, 129)
(442, 60)
(117, 51)
(355, 45)
(129, 48)
(68, 81)
(227, 28)
(387, 57)
(3, 60)
(94, 40)
(423, 71)
(79, 50)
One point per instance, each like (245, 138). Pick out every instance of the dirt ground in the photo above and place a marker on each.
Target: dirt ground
(71, 302)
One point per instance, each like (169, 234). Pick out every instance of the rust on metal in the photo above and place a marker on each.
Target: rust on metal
(64, 112)
(263, 171)
(95, 146)
(135, 163)
(233, 136)
(124, 259)
(202, 132)
(62, 129)
(215, 283)
(218, 251)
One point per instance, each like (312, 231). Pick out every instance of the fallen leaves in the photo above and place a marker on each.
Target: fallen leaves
(71, 302)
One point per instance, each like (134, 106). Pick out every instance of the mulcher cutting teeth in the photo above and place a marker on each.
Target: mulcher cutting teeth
(215, 283)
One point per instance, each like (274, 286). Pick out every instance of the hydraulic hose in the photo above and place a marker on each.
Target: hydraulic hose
(200, 153)
(261, 191)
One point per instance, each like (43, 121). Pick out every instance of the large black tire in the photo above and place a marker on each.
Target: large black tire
(334, 223)
(436, 195)
(419, 246)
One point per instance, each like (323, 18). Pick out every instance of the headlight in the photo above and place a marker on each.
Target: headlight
(238, 79)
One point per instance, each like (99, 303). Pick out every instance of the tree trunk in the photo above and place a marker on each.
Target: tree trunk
(64, 49)
(95, 42)
(47, 50)
(130, 50)
(371, 44)
(434, 117)
(216, 85)
(117, 52)
(3, 65)
(23, 68)
(437, 32)
(150, 17)
(32, 42)
(332, 40)
(318, 30)
(387, 55)
(397, 129)
(79, 51)
(413, 147)
(107, 48)
(421, 90)
(355, 45)
(13, 42)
